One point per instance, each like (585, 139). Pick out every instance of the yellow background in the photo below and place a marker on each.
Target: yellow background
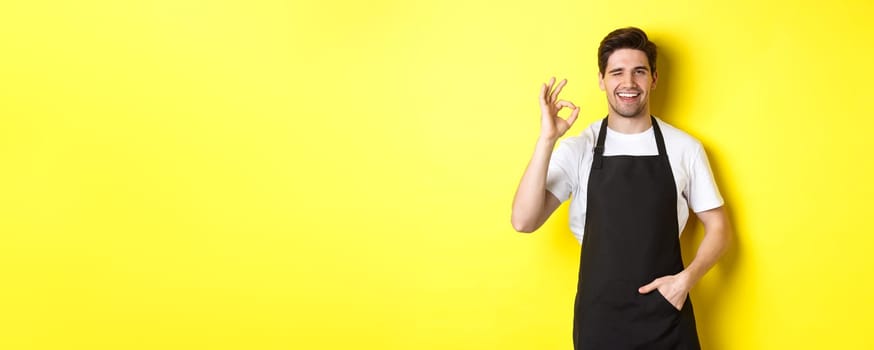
(339, 175)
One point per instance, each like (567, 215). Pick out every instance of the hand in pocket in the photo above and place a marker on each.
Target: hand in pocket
(673, 288)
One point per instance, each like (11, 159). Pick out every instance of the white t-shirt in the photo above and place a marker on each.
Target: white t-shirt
(572, 160)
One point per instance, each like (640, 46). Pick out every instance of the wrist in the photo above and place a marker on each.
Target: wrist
(689, 277)
(547, 141)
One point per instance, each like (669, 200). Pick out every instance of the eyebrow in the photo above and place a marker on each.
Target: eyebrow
(635, 68)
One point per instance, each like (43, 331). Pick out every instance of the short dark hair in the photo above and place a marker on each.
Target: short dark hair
(626, 38)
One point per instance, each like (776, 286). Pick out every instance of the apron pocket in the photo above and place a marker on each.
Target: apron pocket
(663, 301)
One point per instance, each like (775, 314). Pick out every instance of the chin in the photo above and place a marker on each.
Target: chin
(630, 115)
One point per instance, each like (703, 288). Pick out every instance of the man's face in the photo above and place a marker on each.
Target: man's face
(627, 80)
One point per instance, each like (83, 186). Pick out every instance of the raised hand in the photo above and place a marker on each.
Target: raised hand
(551, 125)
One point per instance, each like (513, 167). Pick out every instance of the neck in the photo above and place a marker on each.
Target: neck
(631, 125)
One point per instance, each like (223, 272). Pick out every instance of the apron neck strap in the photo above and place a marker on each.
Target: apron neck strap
(599, 145)
(660, 140)
(602, 136)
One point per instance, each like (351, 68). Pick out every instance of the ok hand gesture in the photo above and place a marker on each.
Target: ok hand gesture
(551, 125)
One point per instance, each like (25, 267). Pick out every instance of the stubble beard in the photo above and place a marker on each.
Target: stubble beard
(629, 112)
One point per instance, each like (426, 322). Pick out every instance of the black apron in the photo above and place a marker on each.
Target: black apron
(631, 238)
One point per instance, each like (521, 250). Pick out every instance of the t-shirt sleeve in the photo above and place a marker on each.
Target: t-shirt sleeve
(562, 174)
(703, 193)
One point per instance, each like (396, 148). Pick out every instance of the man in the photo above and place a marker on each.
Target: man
(634, 179)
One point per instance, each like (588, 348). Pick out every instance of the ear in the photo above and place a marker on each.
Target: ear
(655, 79)
(601, 81)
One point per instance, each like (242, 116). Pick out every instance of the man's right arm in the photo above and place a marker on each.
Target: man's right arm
(533, 204)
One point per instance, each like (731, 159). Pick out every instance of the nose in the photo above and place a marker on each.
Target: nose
(628, 80)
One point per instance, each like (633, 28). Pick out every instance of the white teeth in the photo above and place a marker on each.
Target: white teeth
(627, 95)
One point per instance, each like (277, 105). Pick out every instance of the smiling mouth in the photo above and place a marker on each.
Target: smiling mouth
(628, 96)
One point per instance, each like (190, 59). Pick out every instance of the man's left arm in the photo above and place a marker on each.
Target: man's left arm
(716, 238)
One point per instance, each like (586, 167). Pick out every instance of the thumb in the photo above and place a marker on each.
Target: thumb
(649, 287)
(573, 116)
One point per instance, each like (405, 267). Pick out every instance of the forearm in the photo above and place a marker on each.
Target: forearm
(530, 198)
(716, 240)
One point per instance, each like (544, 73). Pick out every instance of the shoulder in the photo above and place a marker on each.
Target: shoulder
(679, 140)
(584, 140)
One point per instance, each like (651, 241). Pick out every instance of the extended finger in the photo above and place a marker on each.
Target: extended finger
(558, 89)
(549, 89)
(543, 95)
